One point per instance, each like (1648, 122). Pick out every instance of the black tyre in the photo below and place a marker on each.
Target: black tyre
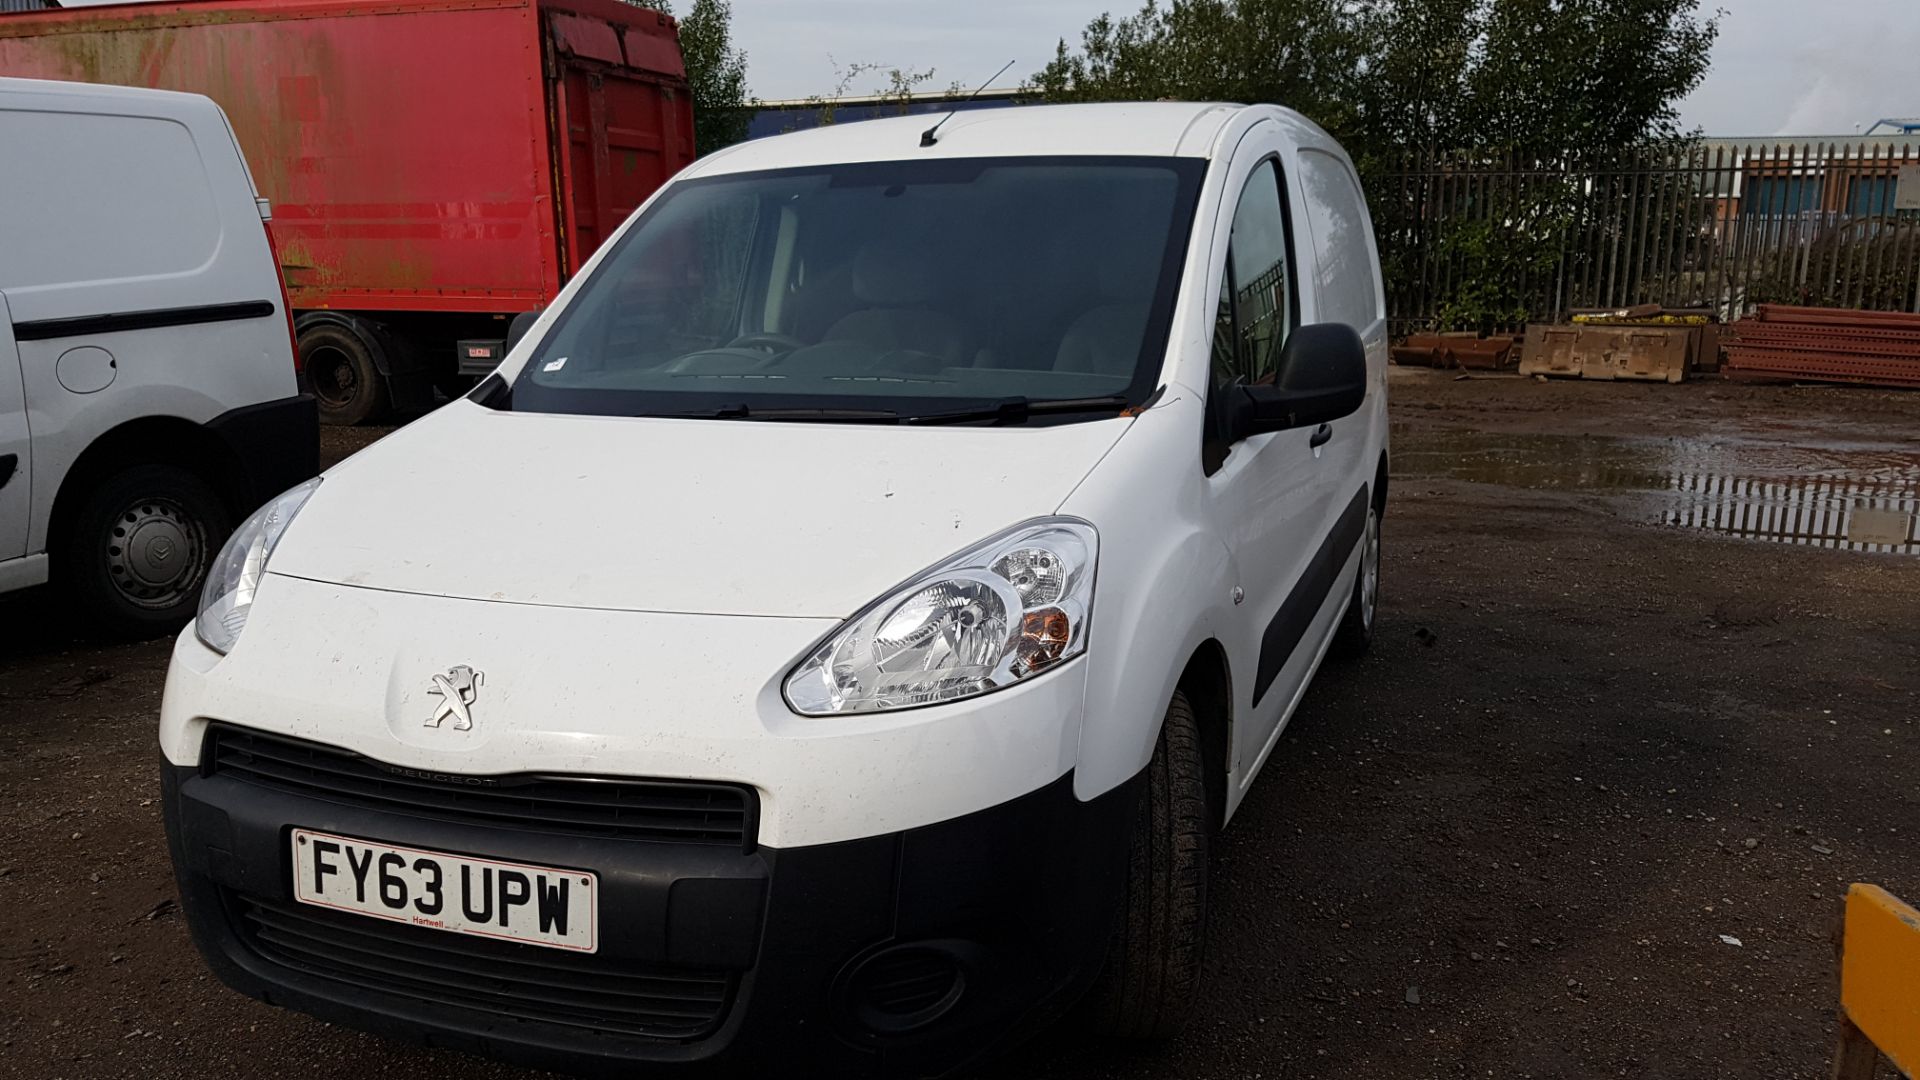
(1152, 973)
(346, 383)
(136, 552)
(1355, 634)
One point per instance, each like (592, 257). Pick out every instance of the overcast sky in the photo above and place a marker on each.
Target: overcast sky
(1793, 67)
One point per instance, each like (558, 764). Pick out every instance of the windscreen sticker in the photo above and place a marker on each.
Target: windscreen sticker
(555, 365)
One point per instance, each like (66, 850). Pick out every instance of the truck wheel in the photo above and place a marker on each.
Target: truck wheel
(346, 383)
(1355, 634)
(1152, 971)
(137, 550)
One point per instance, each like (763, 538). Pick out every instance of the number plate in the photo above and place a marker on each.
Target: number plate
(538, 905)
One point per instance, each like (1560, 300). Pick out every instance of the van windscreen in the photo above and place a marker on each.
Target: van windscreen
(883, 291)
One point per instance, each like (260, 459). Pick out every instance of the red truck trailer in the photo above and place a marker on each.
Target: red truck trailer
(434, 167)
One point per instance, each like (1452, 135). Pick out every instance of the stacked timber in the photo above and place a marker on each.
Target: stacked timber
(1801, 344)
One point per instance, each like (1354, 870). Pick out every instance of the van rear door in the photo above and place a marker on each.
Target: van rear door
(16, 458)
(620, 130)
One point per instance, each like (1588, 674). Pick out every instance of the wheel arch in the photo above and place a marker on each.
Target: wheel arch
(1150, 638)
(369, 332)
(148, 440)
(1207, 681)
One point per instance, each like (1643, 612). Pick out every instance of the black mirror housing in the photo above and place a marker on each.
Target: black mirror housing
(1322, 377)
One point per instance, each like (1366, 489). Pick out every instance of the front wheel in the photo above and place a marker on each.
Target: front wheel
(1152, 973)
(139, 548)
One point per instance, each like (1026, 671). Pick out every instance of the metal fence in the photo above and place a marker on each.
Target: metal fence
(1491, 242)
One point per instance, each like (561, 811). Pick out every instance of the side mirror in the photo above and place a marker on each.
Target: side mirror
(1322, 377)
(518, 328)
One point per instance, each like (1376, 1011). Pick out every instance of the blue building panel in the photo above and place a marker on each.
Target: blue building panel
(1871, 196)
(1780, 196)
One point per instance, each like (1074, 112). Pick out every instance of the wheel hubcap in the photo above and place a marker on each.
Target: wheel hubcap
(155, 553)
(1370, 569)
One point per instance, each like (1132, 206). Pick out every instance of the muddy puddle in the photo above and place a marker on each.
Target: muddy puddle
(1858, 498)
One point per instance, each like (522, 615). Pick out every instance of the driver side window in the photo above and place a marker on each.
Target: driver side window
(1256, 288)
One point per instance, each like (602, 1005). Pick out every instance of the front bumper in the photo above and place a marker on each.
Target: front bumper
(911, 953)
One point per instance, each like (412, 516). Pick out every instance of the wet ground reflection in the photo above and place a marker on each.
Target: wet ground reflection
(1855, 498)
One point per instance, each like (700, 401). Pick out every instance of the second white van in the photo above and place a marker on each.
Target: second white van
(148, 396)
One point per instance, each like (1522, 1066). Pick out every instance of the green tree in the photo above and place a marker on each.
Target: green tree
(1530, 98)
(716, 71)
(1302, 52)
(1578, 74)
(1386, 75)
(1409, 91)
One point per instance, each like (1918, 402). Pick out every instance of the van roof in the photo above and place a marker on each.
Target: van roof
(95, 91)
(1130, 129)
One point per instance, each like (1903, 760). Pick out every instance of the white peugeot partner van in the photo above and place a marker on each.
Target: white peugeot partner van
(148, 395)
(826, 644)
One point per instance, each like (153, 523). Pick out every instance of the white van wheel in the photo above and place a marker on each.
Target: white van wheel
(1152, 973)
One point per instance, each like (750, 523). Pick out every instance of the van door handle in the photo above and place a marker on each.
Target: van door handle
(8, 462)
(1320, 436)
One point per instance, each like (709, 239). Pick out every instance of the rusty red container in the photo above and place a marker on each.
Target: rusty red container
(429, 162)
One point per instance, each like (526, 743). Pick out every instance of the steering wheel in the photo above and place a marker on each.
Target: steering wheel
(766, 339)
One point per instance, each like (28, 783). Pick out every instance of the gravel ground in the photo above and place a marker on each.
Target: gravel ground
(1509, 842)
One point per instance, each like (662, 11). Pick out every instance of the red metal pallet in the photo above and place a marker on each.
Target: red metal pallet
(1874, 348)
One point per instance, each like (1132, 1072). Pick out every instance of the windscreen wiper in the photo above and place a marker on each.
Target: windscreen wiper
(755, 412)
(1016, 410)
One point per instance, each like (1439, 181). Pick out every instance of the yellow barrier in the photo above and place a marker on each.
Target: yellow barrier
(1879, 985)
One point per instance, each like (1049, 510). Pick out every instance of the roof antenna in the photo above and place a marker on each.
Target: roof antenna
(930, 136)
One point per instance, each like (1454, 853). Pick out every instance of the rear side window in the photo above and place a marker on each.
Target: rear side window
(1349, 290)
(92, 198)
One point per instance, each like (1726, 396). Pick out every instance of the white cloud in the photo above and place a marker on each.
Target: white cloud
(1785, 67)
(1818, 109)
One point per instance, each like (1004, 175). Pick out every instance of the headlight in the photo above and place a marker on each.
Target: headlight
(1001, 611)
(236, 572)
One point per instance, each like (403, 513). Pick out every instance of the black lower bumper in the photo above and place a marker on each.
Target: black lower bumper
(276, 443)
(908, 954)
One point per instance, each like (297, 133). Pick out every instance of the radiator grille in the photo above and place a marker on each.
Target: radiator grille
(654, 810)
(524, 982)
